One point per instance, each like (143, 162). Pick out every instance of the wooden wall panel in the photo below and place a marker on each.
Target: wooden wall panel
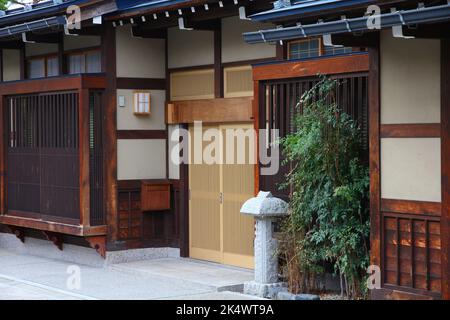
(210, 110)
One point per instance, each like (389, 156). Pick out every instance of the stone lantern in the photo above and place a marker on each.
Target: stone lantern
(265, 209)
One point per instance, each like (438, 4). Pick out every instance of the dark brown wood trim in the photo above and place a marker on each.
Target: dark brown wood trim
(82, 50)
(43, 217)
(445, 167)
(246, 62)
(76, 230)
(411, 130)
(68, 82)
(109, 134)
(23, 64)
(310, 68)
(141, 83)
(257, 97)
(374, 152)
(1, 65)
(3, 145)
(184, 205)
(412, 207)
(218, 74)
(191, 68)
(141, 134)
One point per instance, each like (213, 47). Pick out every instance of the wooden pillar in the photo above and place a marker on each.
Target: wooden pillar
(22, 61)
(445, 167)
(1, 65)
(83, 127)
(218, 74)
(374, 151)
(184, 205)
(281, 51)
(255, 114)
(3, 144)
(110, 132)
(61, 59)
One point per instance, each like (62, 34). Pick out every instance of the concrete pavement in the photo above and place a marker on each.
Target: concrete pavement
(30, 277)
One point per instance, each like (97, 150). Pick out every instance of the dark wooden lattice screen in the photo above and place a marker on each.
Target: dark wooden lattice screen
(278, 107)
(42, 155)
(96, 159)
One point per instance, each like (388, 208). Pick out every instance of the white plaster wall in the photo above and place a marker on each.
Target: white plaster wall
(141, 159)
(410, 80)
(233, 46)
(190, 48)
(411, 169)
(173, 152)
(35, 49)
(126, 120)
(78, 42)
(11, 65)
(138, 57)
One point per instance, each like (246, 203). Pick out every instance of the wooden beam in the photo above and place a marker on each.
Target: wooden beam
(411, 207)
(351, 40)
(69, 82)
(210, 110)
(43, 38)
(76, 230)
(146, 33)
(141, 83)
(310, 68)
(415, 130)
(141, 134)
(429, 31)
(445, 167)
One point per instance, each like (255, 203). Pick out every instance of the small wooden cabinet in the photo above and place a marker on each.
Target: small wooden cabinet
(155, 195)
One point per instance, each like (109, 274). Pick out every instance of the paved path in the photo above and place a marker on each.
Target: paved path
(29, 277)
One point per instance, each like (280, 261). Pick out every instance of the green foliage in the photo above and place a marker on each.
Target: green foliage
(4, 4)
(329, 221)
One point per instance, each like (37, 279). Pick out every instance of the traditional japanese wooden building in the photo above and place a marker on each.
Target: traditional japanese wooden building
(87, 117)
(408, 85)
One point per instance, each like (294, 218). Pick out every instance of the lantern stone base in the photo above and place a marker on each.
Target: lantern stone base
(264, 290)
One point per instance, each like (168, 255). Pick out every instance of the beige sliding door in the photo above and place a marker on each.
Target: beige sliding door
(218, 232)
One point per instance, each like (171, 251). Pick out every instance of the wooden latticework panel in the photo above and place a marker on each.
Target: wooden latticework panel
(279, 104)
(42, 155)
(412, 253)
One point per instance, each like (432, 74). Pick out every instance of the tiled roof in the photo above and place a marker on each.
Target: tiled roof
(36, 11)
(299, 7)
